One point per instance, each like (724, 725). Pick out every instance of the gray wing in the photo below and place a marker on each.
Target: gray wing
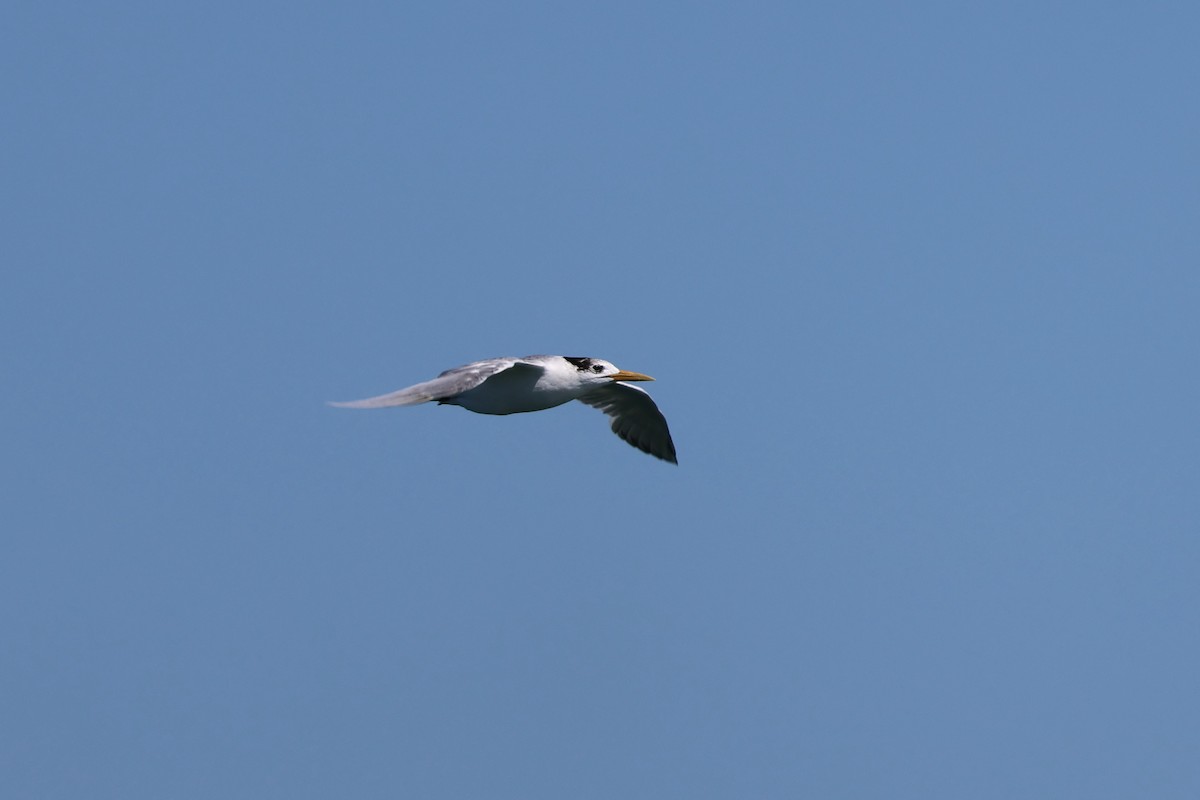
(450, 383)
(635, 418)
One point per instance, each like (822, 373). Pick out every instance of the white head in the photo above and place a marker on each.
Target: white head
(599, 371)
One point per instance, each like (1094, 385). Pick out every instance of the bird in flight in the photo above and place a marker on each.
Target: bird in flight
(535, 383)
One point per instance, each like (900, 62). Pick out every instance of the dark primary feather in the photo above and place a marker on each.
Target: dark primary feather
(635, 418)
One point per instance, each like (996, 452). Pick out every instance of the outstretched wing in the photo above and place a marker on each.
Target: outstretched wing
(450, 383)
(635, 418)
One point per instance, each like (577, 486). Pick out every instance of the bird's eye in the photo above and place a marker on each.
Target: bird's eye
(597, 368)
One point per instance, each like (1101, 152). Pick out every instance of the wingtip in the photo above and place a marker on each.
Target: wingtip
(348, 404)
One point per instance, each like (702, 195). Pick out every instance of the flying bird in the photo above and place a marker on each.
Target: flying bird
(535, 383)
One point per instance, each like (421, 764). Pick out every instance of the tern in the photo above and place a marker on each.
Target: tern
(535, 383)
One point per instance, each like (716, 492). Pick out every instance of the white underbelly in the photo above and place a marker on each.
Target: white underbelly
(485, 399)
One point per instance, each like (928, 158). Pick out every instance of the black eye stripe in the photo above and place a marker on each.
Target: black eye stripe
(580, 363)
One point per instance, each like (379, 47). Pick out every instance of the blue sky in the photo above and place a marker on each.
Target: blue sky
(919, 285)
